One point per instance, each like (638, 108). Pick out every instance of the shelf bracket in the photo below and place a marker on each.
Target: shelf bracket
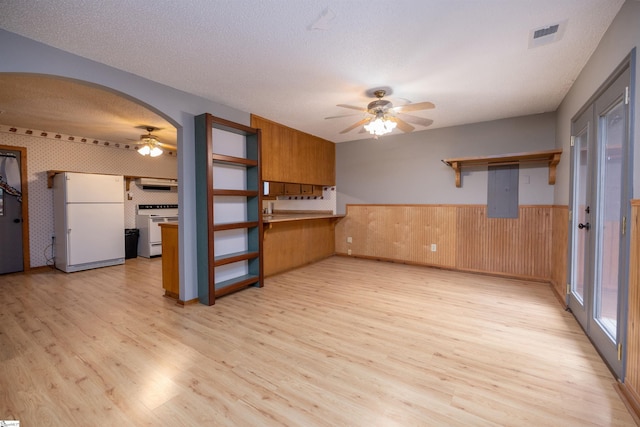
(458, 170)
(553, 162)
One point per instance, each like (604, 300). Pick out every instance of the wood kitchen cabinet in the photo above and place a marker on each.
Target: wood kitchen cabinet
(170, 269)
(289, 155)
(275, 189)
(292, 189)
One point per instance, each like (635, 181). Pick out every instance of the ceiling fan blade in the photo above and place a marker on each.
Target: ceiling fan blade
(343, 115)
(402, 125)
(352, 107)
(415, 120)
(356, 124)
(167, 146)
(414, 107)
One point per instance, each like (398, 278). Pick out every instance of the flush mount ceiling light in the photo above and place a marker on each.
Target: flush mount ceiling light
(149, 144)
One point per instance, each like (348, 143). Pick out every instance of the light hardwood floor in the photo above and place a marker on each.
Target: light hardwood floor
(343, 342)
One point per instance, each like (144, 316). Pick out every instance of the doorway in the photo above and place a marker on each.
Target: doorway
(14, 212)
(599, 242)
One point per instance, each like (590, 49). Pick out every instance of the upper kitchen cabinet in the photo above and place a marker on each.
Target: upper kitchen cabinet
(289, 155)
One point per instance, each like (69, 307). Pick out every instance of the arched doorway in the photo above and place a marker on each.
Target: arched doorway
(71, 118)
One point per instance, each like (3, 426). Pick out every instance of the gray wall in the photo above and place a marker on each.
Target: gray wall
(621, 37)
(407, 168)
(28, 56)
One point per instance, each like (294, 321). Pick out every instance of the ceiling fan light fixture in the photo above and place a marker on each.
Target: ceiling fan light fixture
(150, 145)
(155, 152)
(380, 125)
(145, 150)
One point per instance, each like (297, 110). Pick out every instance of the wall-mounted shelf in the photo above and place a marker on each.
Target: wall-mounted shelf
(551, 157)
(127, 178)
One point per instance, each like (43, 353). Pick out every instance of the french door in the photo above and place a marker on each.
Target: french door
(599, 208)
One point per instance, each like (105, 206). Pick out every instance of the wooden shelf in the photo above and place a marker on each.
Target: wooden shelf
(231, 285)
(234, 225)
(234, 257)
(238, 161)
(127, 178)
(243, 193)
(551, 157)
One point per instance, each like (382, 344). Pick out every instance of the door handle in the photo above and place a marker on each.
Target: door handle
(17, 220)
(587, 226)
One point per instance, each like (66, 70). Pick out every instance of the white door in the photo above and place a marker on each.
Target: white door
(95, 232)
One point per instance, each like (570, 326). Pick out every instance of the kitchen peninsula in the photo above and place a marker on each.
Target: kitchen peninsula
(295, 238)
(291, 239)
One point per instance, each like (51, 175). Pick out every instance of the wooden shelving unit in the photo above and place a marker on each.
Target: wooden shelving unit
(228, 207)
(551, 157)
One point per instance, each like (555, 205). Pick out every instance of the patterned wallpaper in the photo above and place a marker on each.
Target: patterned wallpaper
(46, 153)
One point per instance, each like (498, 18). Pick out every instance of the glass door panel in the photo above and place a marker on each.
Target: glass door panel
(612, 134)
(580, 209)
(581, 245)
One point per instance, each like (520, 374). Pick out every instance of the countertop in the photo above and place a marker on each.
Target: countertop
(283, 216)
(280, 216)
(169, 224)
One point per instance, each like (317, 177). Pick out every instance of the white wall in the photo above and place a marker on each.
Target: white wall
(407, 168)
(621, 37)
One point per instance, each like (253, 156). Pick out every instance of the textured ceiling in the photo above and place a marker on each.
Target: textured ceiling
(293, 61)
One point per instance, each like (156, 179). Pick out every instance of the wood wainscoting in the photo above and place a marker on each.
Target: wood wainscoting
(631, 386)
(465, 239)
(401, 233)
(291, 244)
(559, 251)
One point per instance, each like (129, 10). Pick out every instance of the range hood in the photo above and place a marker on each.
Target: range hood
(157, 183)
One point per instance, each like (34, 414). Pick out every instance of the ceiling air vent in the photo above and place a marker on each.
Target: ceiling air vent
(547, 34)
(546, 31)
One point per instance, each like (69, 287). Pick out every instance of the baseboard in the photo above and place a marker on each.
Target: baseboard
(562, 299)
(631, 400)
(188, 302)
(446, 267)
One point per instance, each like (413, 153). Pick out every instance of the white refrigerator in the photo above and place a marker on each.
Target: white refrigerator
(89, 220)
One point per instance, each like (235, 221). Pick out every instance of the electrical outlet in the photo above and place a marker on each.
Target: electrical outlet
(433, 247)
(348, 251)
(349, 239)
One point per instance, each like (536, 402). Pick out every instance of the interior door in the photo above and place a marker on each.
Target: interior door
(599, 243)
(11, 250)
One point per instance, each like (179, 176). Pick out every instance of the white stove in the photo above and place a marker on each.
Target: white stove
(148, 219)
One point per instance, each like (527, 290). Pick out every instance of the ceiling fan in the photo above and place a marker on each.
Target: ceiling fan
(383, 117)
(150, 144)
